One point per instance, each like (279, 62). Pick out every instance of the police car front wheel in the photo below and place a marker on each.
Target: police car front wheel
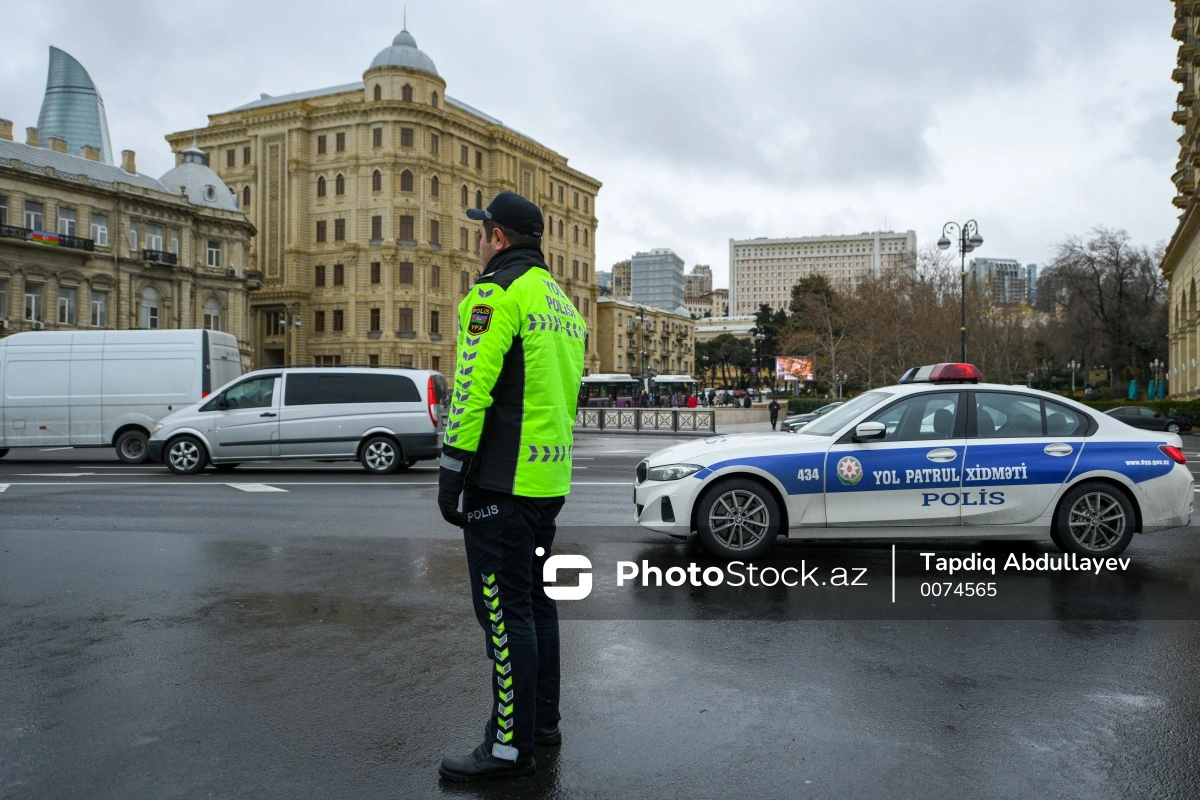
(1094, 519)
(738, 518)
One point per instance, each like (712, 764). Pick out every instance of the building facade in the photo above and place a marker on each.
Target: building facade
(1181, 262)
(359, 194)
(72, 108)
(1006, 280)
(698, 282)
(90, 246)
(657, 278)
(635, 338)
(622, 280)
(711, 304)
(763, 271)
(742, 327)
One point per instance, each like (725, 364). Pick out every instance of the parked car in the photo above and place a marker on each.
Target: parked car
(105, 388)
(1149, 419)
(387, 419)
(798, 421)
(941, 455)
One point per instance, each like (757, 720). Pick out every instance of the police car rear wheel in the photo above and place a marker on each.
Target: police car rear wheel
(381, 456)
(738, 519)
(1095, 520)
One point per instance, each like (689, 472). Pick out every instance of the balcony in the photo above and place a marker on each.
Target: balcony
(160, 257)
(46, 238)
(1185, 180)
(1181, 29)
(1187, 95)
(1181, 115)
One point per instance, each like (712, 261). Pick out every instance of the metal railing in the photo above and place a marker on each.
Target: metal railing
(46, 237)
(647, 419)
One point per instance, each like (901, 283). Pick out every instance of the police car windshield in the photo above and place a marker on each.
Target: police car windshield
(832, 422)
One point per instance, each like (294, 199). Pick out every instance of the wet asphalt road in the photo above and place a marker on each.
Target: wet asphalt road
(163, 637)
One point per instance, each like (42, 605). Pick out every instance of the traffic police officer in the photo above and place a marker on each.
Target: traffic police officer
(507, 451)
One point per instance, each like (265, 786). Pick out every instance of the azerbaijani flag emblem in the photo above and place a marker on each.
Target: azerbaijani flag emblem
(41, 237)
(481, 319)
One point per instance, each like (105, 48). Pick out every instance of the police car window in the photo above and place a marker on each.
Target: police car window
(1063, 421)
(832, 422)
(920, 417)
(254, 393)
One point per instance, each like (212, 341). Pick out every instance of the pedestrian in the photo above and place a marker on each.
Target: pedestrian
(746, 400)
(774, 410)
(507, 451)
(691, 401)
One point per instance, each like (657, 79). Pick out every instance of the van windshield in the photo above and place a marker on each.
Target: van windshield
(830, 423)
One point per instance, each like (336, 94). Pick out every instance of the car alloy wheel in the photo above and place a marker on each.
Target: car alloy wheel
(1172, 427)
(738, 519)
(380, 456)
(1094, 519)
(186, 456)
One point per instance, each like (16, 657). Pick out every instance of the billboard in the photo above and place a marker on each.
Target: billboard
(793, 369)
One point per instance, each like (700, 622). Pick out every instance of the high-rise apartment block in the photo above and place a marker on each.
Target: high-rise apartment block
(1006, 280)
(763, 271)
(698, 282)
(658, 278)
(622, 280)
(359, 193)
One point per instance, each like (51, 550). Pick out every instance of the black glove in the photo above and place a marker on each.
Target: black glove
(451, 478)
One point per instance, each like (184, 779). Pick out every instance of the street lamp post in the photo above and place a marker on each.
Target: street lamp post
(1155, 366)
(757, 350)
(968, 240)
(289, 322)
(1073, 365)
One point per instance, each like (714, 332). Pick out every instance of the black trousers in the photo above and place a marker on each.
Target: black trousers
(520, 623)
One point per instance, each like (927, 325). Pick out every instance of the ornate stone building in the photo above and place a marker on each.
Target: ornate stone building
(626, 330)
(359, 194)
(1181, 262)
(86, 245)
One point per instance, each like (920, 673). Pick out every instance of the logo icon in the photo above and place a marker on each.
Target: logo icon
(849, 471)
(481, 320)
(550, 573)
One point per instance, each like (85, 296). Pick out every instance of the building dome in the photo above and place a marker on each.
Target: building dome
(404, 53)
(202, 186)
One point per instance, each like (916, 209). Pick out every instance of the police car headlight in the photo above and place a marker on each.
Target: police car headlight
(672, 472)
(158, 427)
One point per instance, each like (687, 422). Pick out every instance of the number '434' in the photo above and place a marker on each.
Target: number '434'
(809, 475)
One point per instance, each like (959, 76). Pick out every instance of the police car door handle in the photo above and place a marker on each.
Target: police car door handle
(268, 414)
(941, 454)
(1059, 449)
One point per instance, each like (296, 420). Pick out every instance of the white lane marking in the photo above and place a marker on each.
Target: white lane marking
(52, 449)
(55, 474)
(3, 487)
(255, 487)
(179, 484)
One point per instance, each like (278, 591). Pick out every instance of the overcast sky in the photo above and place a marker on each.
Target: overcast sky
(703, 120)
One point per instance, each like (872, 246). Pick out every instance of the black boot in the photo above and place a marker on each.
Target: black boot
(482, 765)
(548, 737)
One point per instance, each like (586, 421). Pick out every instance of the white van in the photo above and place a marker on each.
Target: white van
(385, 418)
(105, 388)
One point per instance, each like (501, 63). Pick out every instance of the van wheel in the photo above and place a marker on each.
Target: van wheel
(131, 447)
(381, 456)
(185, 455)
(738, 518)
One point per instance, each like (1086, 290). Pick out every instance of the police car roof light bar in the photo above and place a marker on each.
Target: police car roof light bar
(943, 373)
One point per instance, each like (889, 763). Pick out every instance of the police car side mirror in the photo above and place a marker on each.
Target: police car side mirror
(869, 432)
(222, 403)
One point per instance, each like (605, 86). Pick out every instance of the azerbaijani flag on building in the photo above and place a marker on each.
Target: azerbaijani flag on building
(42, 237)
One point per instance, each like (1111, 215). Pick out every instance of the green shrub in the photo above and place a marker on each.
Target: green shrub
(1188, 410)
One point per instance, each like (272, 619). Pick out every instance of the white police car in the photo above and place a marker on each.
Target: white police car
(939, 456)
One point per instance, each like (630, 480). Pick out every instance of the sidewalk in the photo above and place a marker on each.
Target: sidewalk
(722, 428)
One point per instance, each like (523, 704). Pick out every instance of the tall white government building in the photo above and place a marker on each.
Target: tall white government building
(765, 270)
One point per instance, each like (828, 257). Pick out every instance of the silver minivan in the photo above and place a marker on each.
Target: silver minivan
(387, 419)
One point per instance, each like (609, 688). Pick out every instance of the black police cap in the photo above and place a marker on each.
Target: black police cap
(513, 212)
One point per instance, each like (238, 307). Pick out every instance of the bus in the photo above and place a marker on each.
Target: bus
(608, 391)
(676, 388)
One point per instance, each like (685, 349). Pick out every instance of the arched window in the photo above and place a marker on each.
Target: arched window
(377, 181)
(433, 186)
(576, 234)
(321, 186)
(212, 314)
(378, 92)
(560, 229)
(246, 197)
(465, 196)
(406, 93)
(433, 100)
(479, 199)
(585, 236)
(406, 181)
(341, 185)
(150, 308)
